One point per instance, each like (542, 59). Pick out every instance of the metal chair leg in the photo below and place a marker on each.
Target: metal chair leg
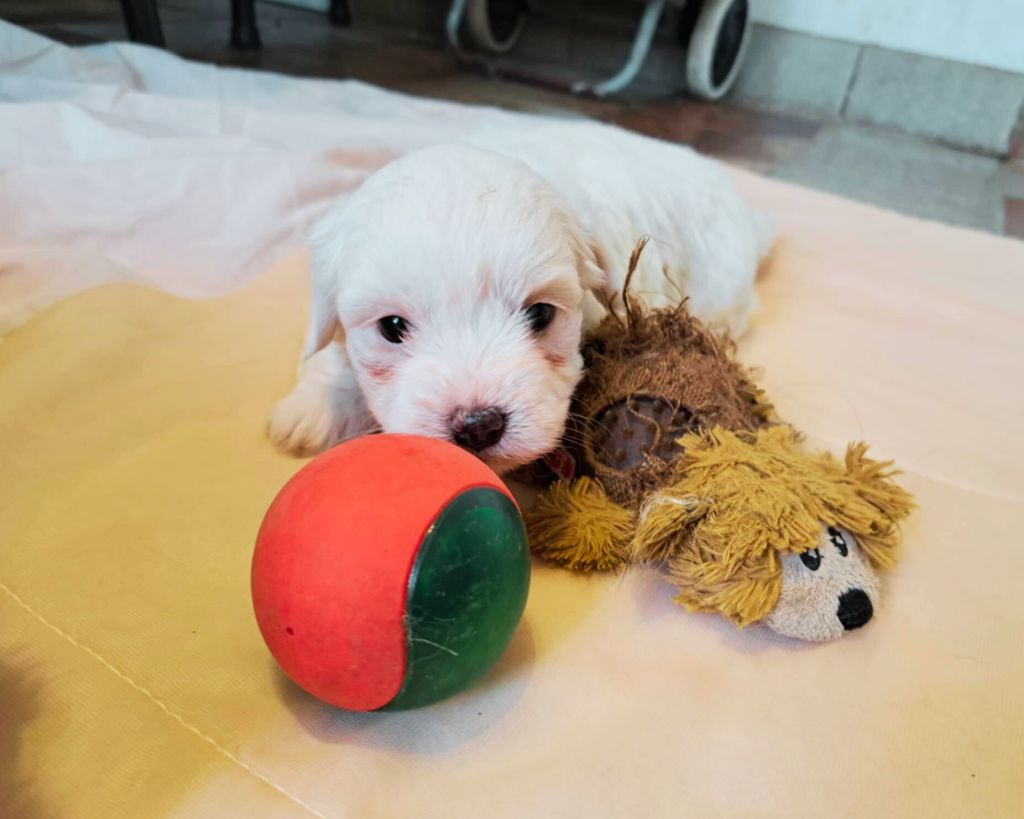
(452, 24)
(245, 36)
(641, 46)
(339, 13)
(142, 19)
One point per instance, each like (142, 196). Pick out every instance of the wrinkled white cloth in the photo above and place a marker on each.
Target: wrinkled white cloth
(120, 162)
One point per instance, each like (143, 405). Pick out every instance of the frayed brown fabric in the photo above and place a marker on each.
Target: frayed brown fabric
(651, 377)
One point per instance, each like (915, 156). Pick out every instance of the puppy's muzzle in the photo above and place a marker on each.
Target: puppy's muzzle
(478, 429)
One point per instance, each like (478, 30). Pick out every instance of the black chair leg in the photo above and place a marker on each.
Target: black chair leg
(142, 19)
(339, 13)
(245, 36)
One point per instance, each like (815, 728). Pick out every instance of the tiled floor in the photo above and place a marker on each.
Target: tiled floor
(757, 141)
(904, 173)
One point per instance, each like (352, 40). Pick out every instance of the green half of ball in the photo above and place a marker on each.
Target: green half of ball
(467, 591)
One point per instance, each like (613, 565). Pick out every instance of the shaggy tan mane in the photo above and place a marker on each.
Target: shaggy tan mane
(741, 499)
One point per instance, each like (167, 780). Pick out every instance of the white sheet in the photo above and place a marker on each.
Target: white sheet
(112, 154)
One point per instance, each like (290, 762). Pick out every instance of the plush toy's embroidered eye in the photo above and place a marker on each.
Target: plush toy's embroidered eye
(540, 315)
(393, 328)
(811, 559)
(838, 540)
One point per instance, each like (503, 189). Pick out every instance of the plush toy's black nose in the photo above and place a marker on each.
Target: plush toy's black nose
(855, 609)
(478, 429)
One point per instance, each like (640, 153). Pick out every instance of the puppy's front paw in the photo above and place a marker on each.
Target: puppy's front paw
(312, 418)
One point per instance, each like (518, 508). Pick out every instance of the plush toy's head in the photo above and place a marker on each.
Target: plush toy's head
(757, 529)
(650, 378)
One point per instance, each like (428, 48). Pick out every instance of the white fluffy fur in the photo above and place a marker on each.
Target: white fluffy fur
(460, 239)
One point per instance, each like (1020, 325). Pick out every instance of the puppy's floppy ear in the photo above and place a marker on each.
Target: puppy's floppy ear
(327, 242)
(592, 275)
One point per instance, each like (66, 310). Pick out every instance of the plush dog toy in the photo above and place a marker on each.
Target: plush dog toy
(675, 456)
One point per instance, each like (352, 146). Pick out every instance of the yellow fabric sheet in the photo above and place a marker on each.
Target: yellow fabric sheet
(133, 681)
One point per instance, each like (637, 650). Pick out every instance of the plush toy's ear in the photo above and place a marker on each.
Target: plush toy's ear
(700, 542)
(883, 504)
(664, 520)
(576, 525)
(742, 587)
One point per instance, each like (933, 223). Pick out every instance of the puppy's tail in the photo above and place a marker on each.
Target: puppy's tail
(764, 231)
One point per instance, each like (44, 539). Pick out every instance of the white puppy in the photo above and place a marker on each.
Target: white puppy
(451, 291)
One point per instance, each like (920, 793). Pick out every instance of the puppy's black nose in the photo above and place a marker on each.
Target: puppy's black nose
(478, 429)
(855, 609)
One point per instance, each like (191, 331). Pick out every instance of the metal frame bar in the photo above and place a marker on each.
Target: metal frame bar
(142, 19)
(645, 31)
(452, 24)
(339, 13)
(245, 35)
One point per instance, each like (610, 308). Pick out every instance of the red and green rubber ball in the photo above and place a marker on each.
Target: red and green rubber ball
(390, 572)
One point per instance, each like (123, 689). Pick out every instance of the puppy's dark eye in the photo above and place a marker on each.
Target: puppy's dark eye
(540, 315)
(393, 328)
(838, 540)
(811, 559)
